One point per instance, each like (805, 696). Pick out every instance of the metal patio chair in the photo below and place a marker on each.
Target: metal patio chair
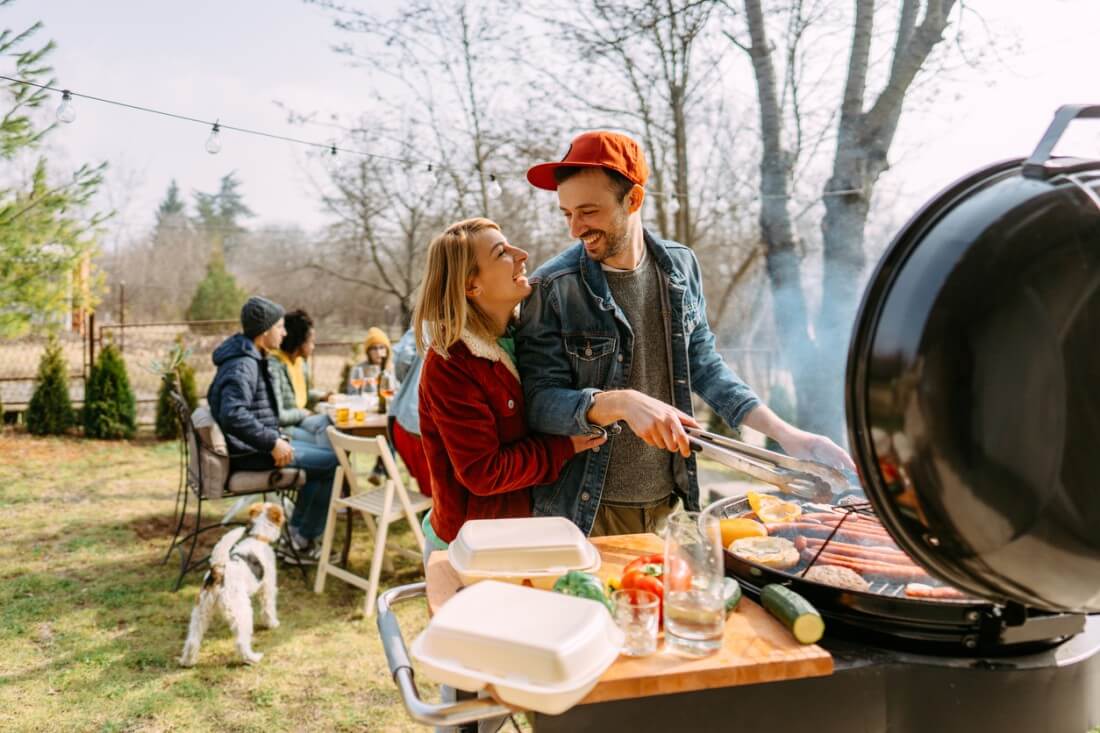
(205, 474)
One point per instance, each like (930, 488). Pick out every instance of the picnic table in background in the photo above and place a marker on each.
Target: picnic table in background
(362, 418)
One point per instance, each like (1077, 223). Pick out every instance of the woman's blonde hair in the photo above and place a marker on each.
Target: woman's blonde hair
(442, 310)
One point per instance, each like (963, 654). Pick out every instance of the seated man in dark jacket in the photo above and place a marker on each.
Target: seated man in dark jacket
(242, 400)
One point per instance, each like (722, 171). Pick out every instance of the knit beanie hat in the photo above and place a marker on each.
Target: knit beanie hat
(259, 314)
(376, 336)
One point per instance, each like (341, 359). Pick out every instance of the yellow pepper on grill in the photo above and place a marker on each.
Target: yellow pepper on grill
(771, 509)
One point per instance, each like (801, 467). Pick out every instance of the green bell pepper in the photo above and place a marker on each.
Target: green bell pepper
(582, 585)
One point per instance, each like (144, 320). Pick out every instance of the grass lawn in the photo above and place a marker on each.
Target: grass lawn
(91, 629)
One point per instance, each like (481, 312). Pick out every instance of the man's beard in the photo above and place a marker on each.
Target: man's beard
(614, 241)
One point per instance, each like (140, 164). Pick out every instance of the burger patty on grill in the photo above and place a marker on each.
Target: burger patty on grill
(837, 576)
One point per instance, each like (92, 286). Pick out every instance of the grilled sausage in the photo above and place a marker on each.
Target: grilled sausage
(869, 552)
(844, 534)
(855, 521)
(886, 571)
(921, 590)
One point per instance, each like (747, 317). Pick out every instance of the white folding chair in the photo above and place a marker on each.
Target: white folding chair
(377, 506)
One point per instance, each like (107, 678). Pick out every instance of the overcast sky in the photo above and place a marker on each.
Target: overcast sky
(231, 59)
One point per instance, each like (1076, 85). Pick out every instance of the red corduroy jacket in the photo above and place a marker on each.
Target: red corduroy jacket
(481, 456)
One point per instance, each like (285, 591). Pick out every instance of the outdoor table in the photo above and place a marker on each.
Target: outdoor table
(756, 648)
(372, 424)
(762, 679)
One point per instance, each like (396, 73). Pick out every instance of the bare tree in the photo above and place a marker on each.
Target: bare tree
(383, 223)
(815, 348)
(447, 61)
(864, 136)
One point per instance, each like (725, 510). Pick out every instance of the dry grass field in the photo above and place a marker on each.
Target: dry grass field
(91, 629)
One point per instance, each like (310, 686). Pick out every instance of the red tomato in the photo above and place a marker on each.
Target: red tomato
(648, 573)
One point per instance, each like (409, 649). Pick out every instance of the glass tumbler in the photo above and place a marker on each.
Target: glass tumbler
(636, 613)
(694, 612)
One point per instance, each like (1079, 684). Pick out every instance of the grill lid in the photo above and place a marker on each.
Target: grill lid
(973, 382)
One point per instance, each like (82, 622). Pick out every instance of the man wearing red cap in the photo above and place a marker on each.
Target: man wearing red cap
(615, 331)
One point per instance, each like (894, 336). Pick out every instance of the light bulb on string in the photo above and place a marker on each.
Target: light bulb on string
(332, 150)
(66, 112)
(427, 177)
(495, 189)
(214, 142)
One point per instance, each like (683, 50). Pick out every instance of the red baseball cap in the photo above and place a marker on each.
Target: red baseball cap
(595, 149)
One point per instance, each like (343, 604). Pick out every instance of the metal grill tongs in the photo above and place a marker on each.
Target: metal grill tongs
(802, 478)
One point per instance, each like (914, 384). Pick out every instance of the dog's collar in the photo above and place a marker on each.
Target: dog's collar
(247, 534)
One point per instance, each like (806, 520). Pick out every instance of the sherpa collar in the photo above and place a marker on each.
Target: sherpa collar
(488, 350)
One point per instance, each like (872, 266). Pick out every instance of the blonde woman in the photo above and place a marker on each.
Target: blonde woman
(480, 453)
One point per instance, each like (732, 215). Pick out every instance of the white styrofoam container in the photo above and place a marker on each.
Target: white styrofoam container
(537, 550)
(540, 651)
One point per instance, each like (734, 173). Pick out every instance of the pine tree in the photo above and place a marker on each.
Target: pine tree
(47, 228)
(174, 369)
(217, 298)
(109, 409)
(171, 217)
(218, 215)
(50, 411)
(172, 205)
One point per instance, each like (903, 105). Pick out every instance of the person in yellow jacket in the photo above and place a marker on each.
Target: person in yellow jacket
(377, 368)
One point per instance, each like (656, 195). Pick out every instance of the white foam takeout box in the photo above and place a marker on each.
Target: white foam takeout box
(533, 551)
(539, 650)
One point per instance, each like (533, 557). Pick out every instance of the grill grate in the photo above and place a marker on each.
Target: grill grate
(847, 510)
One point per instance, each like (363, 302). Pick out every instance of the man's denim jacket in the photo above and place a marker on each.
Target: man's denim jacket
(574, 341)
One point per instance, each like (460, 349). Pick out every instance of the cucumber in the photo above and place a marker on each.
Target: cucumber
(731, 593)
(794, 611)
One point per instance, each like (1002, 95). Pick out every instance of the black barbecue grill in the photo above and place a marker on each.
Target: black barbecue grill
(973, 400)
(885, 616)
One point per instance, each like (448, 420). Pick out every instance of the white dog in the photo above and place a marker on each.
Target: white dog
(241, 564)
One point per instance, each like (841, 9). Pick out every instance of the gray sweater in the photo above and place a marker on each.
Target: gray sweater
(638, 474)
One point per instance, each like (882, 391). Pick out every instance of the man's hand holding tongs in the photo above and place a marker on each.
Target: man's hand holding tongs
(658, 424)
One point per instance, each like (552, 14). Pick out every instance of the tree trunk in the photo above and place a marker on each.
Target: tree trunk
(799, 351)
(682, 205)
(842, 230)
(863, 143)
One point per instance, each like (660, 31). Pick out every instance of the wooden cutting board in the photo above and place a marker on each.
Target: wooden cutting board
(755, 648)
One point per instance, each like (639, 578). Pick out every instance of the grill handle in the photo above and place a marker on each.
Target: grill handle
(1040, 165)
(397, 657)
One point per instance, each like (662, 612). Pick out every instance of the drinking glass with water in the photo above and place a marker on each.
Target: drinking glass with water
(636, 613)
(695, 616)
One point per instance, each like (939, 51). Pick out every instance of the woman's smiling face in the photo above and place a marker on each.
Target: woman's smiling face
(501, 277)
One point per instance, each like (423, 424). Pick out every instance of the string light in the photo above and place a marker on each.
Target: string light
(214, 142)
(427, 178)
(495, 189)
(66, 112)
